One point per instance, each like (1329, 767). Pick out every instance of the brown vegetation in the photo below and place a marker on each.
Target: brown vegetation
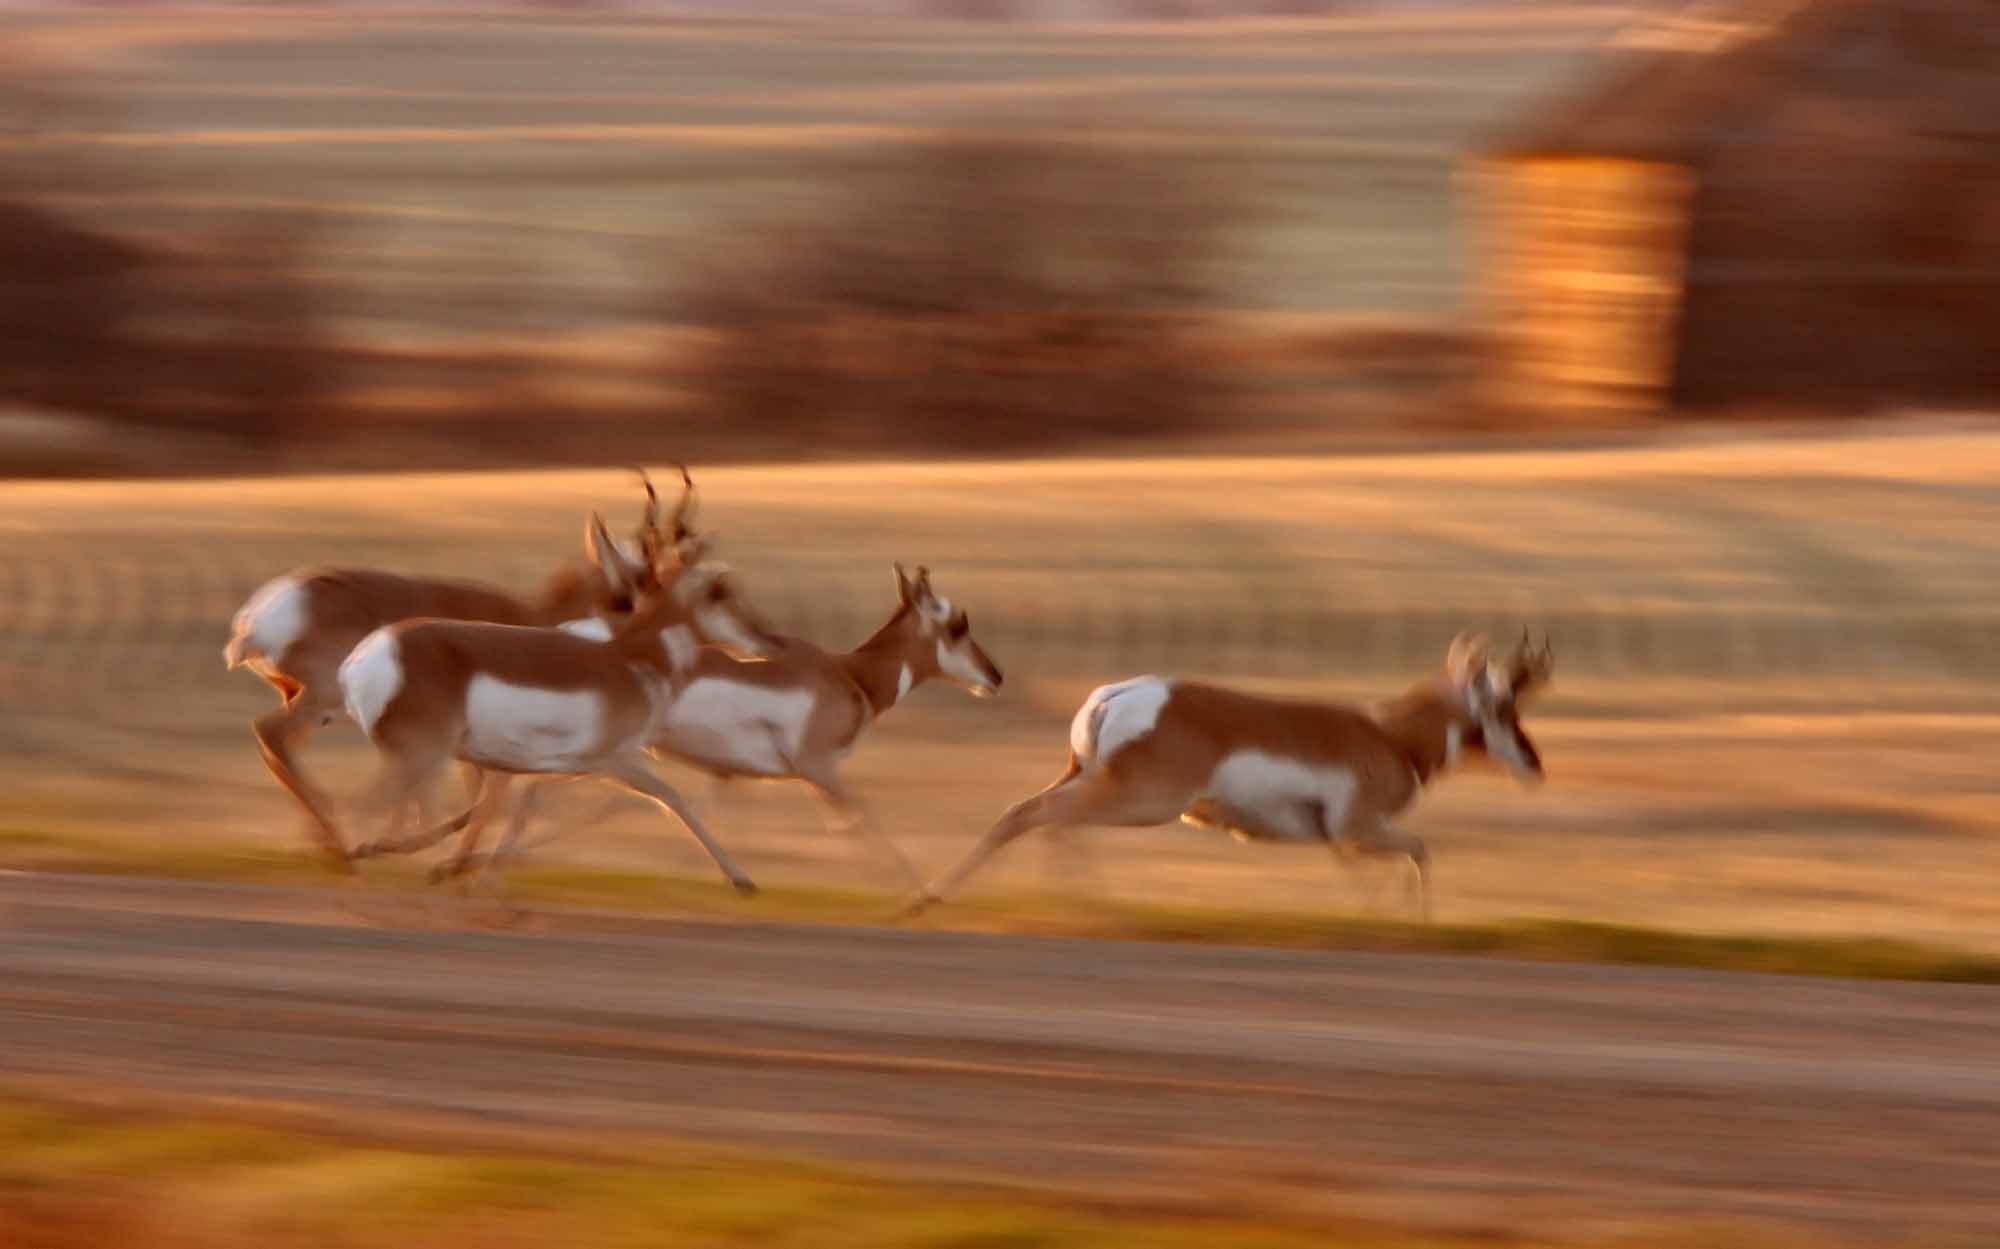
(981, 294)
(219, 337)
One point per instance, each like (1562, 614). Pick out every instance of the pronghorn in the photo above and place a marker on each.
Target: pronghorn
(511, 699)
(295, 630)
(1148, 750)
(795, 715)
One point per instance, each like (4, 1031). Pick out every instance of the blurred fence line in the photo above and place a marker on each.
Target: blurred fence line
(76, 635)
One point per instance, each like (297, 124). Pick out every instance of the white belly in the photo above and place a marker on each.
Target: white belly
(1274, 798)
(731, 727)
(524, 729)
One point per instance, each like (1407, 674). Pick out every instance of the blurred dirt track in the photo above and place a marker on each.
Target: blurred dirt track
(1440, 1089)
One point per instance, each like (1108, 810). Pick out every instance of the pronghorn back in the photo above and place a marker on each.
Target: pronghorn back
(334, 608)
(505, 696)
(1196, 730)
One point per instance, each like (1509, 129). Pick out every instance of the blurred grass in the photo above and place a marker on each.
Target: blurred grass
(1786, 776)
(688, 897)
(440, 141)
(85, 1177)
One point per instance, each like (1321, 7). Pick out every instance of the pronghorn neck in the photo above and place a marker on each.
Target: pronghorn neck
(565, 596)
(1429, 726)
(890, 664)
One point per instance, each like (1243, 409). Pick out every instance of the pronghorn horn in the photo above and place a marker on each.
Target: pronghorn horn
(684, 513)
(649, 525)
(1531, 666)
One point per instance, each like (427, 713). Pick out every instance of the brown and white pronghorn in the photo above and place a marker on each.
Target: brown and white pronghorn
(1152, 749)
(296, 629)
(512, 699)
(796, 714)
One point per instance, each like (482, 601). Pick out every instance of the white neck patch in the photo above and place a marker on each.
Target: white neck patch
(904, 681)
(680, 646)
(592, 627)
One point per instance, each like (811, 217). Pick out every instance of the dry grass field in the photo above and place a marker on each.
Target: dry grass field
(1774, 710)
(455, 154)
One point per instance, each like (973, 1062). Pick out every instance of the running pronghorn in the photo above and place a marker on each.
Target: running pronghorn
(511, 699)
(295, 630)
(1145, 751)
(793, 716)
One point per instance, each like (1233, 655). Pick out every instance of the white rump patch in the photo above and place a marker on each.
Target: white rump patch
(680, 645)
(591, 628)
(1115, 716)
(735, 727)
(276, 616)
(370, 678)
(530, 729)
(1278, 798)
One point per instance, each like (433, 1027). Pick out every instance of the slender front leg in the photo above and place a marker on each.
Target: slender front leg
(1382, 836)
(489, 802)
(524, 811)
(428, 837)
(635, 776)
(850, 817)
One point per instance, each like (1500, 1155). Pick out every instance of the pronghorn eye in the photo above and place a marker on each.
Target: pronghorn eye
(960, 625)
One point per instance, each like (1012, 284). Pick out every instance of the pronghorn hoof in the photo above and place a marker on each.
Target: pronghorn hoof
(746, 887)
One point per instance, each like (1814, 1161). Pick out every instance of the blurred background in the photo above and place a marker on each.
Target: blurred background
(1270, 341)
(1267, 341)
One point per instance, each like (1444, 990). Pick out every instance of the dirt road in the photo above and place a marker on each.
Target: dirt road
(1444, 1090)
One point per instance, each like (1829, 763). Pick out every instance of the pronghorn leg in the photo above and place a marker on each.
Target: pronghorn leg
(1384, 837)
(524, 812)
(1069, 861)
(482, 813)
(850, 817)
(1065, 857)
(431, 834)
(276, 734)
(1071, 801)
(517, 823)
(635, 776)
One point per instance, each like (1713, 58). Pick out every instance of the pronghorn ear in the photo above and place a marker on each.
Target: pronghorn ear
(604, 553)
(1530, 667)
(1467, 657)
(904, 590)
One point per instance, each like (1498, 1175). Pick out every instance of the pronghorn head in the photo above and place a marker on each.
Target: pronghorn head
(945, 635)
(1491, 695)
(680, 607)
(608, 587)
(658, 542)
(706, 594)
